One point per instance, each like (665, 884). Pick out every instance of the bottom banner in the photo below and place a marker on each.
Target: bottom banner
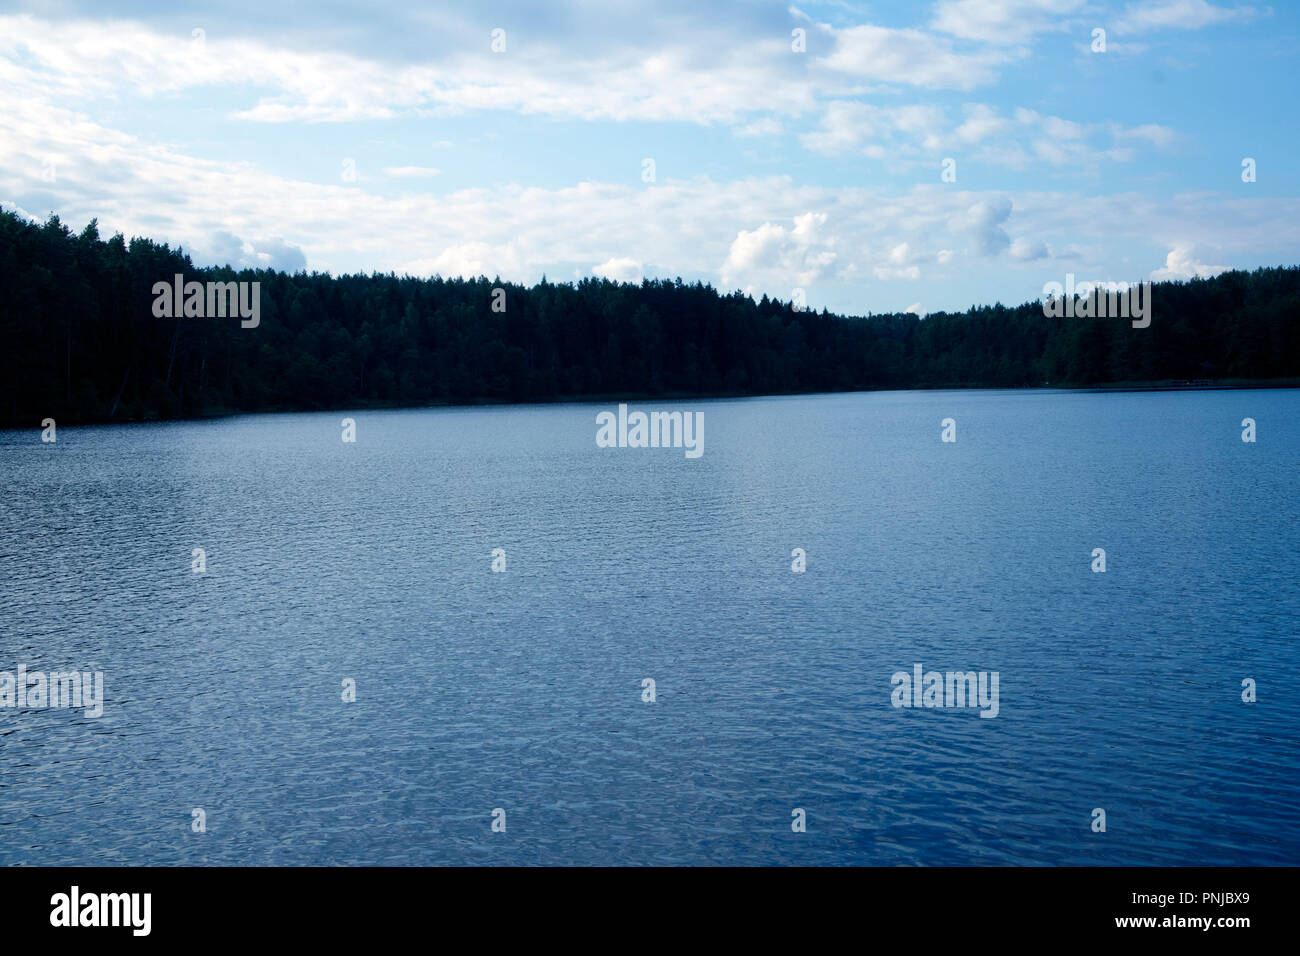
(945, 906)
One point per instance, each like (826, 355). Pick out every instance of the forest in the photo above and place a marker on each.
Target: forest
(82, 342)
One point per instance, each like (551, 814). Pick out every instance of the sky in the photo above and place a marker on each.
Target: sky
(861, 157)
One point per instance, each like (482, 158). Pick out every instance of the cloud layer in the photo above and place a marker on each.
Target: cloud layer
(962, 185)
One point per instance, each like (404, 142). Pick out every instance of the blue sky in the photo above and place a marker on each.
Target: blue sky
(342, 137)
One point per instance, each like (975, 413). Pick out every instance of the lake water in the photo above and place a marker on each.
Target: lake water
(522, 690)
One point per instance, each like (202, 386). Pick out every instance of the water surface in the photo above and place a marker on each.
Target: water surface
(523, 690)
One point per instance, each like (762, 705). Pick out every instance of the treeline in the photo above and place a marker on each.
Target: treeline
(81, 341)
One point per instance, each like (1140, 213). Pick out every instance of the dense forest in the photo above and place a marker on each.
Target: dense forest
(82, 342)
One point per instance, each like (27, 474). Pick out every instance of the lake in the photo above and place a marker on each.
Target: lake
(371, 562)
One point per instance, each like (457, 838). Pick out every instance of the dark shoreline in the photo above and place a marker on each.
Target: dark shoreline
(1225, 385)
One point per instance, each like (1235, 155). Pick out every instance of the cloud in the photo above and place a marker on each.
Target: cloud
(901, 263)
(1152, 133)
(225, 248)
(694, 74)
(410, 172)
(982, 224)
(773, 254)
(888, 133)
(1001, 21)
(921, 133)
(1177, 15)
(911, 57)
(767, 126)
(982, 121)
(1028, 250)
(469, 260)
(768, 234)
(620, 270)
(1181, 263)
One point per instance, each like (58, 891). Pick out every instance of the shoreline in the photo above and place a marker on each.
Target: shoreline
(1158, 386)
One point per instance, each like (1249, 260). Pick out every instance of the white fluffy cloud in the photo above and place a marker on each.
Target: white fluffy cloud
(470, 259)
(620, 270)
(902, 262)
(225, 248)
(1181, 263)
(773, 254)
